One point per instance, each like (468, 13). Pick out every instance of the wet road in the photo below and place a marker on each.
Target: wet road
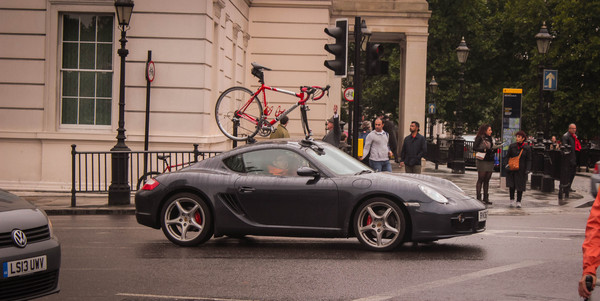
(525, 257)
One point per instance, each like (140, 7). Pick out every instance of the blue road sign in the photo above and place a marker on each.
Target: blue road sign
(550, 80)
(431, 108)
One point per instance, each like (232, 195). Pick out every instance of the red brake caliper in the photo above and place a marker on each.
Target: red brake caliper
(369, 220)
(198, 217)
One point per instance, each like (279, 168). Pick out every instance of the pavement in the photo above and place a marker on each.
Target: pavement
(534, 201)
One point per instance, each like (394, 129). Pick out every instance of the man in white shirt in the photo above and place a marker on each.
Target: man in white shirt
(376, 144)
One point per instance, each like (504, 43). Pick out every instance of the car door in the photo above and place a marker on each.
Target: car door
(270, 197)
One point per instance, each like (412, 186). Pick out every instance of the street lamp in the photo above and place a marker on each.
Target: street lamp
(119, 191)
(458, 165)
(433, 86)
(543, 39)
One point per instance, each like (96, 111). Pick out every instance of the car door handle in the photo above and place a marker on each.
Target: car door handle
(245, 189)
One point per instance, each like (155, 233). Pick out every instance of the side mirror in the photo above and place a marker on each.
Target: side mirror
(308, 172)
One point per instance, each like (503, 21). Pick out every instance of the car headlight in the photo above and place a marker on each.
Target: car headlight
(433, 194)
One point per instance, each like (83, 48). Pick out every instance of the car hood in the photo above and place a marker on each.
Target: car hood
(443, 186)
(9, 201)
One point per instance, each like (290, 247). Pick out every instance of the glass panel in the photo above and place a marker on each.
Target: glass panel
(86, 111)
(70, 55)
(69, 111)
(88, 84)
(105, 29)
(88, 55)
(104, 57)
(70, 28)
(70, 83)
(104, 86)
(88, 28)
(103, 111)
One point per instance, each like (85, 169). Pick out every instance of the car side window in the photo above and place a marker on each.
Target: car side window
(274, 162)
(235, 163)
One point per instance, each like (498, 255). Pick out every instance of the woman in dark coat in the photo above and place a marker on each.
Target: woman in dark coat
(484, 143)
(517, 179)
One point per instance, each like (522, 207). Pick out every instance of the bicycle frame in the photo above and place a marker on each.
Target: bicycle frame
(266, 112)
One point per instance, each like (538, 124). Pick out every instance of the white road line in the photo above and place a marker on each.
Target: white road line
(451, 280)
(178, 297)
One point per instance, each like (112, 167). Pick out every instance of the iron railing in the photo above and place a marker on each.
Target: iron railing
(91, 170)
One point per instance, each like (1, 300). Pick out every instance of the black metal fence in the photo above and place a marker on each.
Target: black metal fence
(91, 170)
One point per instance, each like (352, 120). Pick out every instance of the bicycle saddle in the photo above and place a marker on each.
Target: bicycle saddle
(260, 67)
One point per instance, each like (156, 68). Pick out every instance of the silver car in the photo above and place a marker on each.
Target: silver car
(595, 180)
(29, 252)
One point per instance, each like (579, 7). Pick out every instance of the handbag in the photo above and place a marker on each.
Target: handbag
(513, 163)
(480, 155)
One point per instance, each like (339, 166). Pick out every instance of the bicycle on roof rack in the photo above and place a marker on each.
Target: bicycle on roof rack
(242, 114)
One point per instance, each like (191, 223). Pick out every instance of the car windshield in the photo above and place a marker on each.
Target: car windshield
(337, 161)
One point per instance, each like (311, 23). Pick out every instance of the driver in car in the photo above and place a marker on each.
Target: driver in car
(280, 166)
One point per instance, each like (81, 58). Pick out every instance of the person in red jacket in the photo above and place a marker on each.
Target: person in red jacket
(591, 248)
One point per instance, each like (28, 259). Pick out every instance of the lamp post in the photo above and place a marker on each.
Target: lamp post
(433, 86)
(458, 164)
(119, 191)
(540, 178)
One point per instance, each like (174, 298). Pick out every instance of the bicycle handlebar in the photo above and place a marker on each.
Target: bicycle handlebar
(313, 91)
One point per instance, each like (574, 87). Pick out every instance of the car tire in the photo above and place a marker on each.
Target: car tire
(186, 220)
(379, 224)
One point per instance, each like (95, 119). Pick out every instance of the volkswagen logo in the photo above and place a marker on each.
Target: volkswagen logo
(19, 238)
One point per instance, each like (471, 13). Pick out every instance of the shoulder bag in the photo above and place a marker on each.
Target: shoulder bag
(513, 163)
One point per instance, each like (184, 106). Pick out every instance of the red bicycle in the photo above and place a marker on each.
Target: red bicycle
(241, 114)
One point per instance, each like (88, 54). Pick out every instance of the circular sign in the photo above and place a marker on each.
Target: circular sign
(349, 94)
(150, 71)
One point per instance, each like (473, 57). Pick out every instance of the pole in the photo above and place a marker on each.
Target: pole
(147, 127)
(357, 84)
(119, 191)
(458, 165)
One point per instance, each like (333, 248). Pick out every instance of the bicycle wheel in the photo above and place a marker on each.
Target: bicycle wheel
(238, 114)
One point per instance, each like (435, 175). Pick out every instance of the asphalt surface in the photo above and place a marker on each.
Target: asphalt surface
(533, 201)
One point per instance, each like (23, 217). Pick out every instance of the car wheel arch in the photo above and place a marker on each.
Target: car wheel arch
(190, 190)
(396, 200)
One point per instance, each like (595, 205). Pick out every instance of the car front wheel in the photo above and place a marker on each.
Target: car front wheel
(379, 224)
(186, 220)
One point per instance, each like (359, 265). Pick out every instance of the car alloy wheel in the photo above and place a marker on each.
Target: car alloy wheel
(186, 220)
(379, 224)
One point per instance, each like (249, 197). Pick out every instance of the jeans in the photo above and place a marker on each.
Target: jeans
(381, 165)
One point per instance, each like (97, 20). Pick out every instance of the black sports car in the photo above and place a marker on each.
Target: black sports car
(308, 189)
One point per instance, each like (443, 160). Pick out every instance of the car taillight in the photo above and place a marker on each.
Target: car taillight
(597, 168)
(150, 184)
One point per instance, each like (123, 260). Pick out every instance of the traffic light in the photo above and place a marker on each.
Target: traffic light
(375, 65)
(339, 49)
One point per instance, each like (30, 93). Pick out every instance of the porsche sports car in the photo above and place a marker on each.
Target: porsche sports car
(29, 252)
(306, 189)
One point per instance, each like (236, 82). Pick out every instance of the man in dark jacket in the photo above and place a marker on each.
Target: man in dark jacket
(334, 133)
(572, 145)
(413, 150)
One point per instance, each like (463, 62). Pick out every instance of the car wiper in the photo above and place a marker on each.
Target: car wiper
(363, 172)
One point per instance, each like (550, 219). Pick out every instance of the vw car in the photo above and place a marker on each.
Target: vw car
(306, 189)
(29, 252)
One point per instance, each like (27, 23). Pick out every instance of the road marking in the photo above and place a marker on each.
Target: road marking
(451, 280)
(178, 297)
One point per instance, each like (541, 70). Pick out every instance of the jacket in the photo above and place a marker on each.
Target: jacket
(413, 150)
(280, 132)
(591, 244)
(334, 136)
(480, 146)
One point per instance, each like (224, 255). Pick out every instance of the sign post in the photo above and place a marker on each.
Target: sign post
(550, 80)
(511, 123)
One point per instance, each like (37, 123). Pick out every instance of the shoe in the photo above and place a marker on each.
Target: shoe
(512, 203)
(572, 190)
(518, 204)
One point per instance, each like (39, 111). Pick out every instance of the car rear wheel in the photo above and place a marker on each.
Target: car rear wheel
(379, 224)
(186, 220)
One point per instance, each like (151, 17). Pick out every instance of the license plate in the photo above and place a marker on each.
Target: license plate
(24, 266)
(483, 215)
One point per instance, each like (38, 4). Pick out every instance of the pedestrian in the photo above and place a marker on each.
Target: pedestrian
(572, 145)
(516, 180)
(554, 144)
(281, 131)
(413, 150)
(485, 148)
(591, 248)
(365, 129)
(376, 146)
(334, 132)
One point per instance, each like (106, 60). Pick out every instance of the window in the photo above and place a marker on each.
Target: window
(86, 71)
(271, 162)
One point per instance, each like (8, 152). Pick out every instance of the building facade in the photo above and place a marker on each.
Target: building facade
(60, 84)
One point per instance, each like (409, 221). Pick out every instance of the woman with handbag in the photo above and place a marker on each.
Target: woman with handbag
(484, 156)
(518, 167)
